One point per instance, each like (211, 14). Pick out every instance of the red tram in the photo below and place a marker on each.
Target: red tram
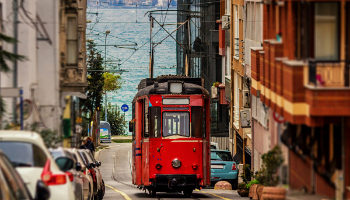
(171, 135)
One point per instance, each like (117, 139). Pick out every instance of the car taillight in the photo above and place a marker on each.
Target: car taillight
(234, 166)
(52, 179)
(71, 176)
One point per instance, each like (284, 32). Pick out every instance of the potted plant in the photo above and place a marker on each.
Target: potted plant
(268, 176)
(243, 190)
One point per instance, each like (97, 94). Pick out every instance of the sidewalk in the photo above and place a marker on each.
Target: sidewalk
(297, 195)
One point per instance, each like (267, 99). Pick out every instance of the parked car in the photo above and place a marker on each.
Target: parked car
(76, 176)
(28, 153)
(12, 186)
(85, 173)
(223, 168)
(95, 171)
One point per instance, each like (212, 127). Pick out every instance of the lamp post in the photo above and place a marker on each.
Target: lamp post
(107, 32)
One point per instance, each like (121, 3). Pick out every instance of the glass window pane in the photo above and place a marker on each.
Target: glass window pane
(176, 123)
(72, 28)
(72, 52)
(24, 154)
(154, 123)
(197, 121)
(326, 31)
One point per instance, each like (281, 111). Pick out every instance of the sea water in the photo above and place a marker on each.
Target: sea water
(129, 26)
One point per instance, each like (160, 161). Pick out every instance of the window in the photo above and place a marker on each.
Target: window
(134, 123)
(236, 31)
(197, 121)
(176, 123)
(155, 122)
(327, 31)
(24, 154)
(72, 41)
(222, 156)
(146, 118)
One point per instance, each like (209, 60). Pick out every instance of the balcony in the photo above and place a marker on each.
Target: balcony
(327, 89)
(329, 74)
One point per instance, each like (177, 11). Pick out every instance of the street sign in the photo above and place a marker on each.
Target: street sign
(125, 107)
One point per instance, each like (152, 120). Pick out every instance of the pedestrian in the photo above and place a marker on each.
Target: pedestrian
(90, 145)
(83, 145)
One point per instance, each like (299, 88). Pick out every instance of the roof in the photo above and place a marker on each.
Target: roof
(162, 89)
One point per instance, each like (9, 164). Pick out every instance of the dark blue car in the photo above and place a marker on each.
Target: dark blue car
(223, 168)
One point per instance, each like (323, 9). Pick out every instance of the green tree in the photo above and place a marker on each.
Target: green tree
(112, 82)
(95, 83)
(115, 118)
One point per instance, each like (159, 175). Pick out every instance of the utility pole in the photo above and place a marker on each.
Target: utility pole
(107, 32)
(15, 51)
(151, 49)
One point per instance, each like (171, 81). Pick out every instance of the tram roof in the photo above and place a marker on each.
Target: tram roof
(163, 89)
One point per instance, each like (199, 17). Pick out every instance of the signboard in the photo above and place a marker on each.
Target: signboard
(125, 108)
(104, 133)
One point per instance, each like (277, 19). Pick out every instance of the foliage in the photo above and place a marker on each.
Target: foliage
(122, 140)
(96, 82)
(252, 182)
(115, 118)
(8, 56)
(51, 138)
(272, 160)
(247, 174)
(241, 186)
(112, 82)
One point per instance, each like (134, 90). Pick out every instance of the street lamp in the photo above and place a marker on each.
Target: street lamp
(107, 32)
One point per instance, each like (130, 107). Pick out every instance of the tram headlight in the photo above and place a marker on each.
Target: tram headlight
(176, 163)
(175, 88)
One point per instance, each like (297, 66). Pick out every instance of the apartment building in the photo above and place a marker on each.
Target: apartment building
(51, 35)
(301, 77)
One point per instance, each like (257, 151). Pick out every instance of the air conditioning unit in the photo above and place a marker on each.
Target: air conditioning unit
(246, 98)
(214, 92)
(245, 119)
(225, 22)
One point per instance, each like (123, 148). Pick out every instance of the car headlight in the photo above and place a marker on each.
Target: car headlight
(176, 163)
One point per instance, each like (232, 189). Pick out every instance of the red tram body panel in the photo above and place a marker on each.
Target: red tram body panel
(171, 135)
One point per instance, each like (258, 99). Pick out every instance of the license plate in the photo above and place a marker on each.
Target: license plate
(217, 166)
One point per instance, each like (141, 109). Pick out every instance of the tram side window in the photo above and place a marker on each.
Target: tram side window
(154, 122)
(146, 117)
(197, 121)
(133, 117)
(176, 123)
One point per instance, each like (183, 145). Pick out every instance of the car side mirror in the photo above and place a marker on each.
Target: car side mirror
(42, 191)
(78, 167)
(131, 126)
(64, 163)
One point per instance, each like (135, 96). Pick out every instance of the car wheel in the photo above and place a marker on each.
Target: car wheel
(234, 184)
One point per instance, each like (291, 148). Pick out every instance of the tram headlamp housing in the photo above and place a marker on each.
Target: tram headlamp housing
(175, 87)
(176, 163)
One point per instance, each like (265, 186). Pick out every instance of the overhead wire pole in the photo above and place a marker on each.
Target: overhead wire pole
(151, 48)
(15, 51)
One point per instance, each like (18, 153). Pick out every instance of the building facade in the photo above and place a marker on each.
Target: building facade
(51, 35)
(301, 74)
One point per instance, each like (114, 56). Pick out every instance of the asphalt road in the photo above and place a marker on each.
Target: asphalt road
(116, 173)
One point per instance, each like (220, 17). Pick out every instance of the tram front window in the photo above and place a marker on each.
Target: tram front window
(176, 123)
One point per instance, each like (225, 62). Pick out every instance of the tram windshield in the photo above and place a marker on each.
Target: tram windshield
(176, 123)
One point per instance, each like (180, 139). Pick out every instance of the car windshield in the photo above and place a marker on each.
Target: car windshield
(23, 154)
(222, 156)
(176, 123)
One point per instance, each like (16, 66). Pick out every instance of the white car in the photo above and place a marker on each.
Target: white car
(33, 161)
(88, 194)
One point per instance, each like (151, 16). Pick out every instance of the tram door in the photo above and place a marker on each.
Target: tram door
(145, 143)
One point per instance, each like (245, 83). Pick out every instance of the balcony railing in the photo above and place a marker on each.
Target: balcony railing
(329, 73)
